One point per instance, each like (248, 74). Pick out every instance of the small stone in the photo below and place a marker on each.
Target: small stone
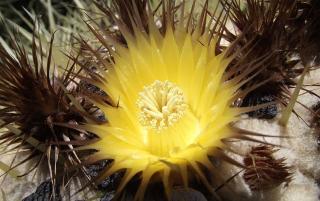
(187, 194)
(108, 196)
(258, 97)
(110, 182)
(268, 112)
(44, 193)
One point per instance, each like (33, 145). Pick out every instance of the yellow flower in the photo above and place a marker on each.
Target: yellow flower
(174, 106)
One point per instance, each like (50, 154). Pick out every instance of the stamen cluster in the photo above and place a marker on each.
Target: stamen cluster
(161, 104)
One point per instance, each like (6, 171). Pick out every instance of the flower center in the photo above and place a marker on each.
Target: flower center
(161, 104)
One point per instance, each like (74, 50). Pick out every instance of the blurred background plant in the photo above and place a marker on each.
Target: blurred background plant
(45, 18)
